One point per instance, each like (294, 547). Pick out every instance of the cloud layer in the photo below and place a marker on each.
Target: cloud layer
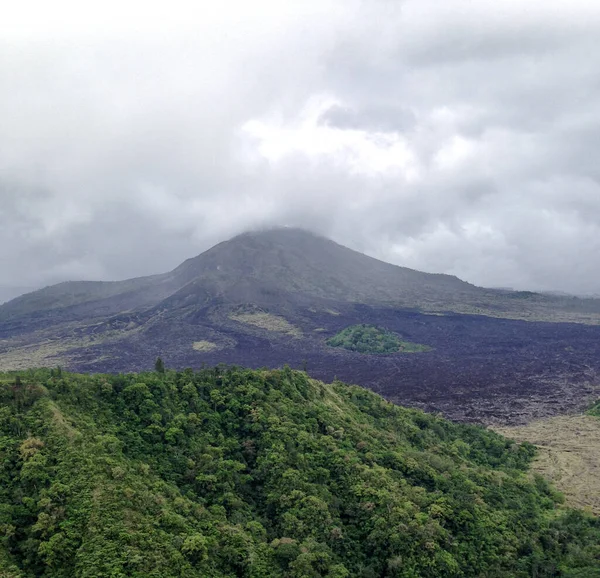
(454, 137)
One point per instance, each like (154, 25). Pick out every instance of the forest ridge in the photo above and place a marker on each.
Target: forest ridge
(229, 472)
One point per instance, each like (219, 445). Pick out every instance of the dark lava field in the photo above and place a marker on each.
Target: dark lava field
(481, 369)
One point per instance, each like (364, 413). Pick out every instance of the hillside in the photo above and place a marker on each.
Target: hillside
(295, 262)
(8, 292)
(231, 472)
(275, 297)
(569, 454)
(292, 267)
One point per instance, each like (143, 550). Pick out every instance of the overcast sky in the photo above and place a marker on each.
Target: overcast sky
(459, 136)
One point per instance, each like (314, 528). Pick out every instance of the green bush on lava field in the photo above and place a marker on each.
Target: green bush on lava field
(374, 340)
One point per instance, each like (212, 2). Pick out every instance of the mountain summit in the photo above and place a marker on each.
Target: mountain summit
(257, 267)
(295, 262)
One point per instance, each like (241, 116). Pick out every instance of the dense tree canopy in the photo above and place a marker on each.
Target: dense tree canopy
(228, 472)
(375, 340)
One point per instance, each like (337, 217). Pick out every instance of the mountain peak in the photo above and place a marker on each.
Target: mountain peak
(292, 237)
(283, 232)
(293, 261)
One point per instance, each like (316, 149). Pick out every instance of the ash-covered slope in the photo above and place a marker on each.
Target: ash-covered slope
(297, 262)
(288, 267)
(9, 292)
(284, 264)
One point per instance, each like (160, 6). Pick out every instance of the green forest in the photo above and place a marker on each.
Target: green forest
(374, 340)
(227, 472)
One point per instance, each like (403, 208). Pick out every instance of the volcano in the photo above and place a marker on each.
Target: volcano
(276, 297)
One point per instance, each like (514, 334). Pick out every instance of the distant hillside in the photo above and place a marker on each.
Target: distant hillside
(290, 267)
(229, 472)
(283, 265)
(7, 292)
(292, 261)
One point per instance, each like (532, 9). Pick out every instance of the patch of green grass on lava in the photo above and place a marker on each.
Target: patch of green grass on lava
(373, 340)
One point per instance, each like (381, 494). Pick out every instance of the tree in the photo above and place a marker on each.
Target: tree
(159, 365)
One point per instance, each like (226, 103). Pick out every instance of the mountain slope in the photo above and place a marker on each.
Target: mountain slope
(8, 292)
(295, 261)
(252, 267)
(291, 266)
(229, 472)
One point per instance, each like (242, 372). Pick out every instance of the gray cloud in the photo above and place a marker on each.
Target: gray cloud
(383, 118)
(457, 138)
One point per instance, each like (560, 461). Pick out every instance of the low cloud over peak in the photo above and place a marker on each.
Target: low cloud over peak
(457, 138)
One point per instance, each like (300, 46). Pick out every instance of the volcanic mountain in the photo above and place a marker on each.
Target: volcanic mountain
(285, 265)
(275, 297)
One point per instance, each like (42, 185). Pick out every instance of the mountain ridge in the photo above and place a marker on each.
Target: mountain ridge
(232, 260)
(296, 264)
(267, 473)
(252, 267)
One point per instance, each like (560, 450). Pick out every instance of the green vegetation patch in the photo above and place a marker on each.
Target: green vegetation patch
(375, 340)
(267, 321)
(205, 346)
(231, 472)
(595, 409)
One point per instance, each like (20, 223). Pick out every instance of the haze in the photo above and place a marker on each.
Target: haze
(457, 137)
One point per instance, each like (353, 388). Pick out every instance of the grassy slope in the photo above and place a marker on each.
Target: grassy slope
(264, 473)
(569, 455)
